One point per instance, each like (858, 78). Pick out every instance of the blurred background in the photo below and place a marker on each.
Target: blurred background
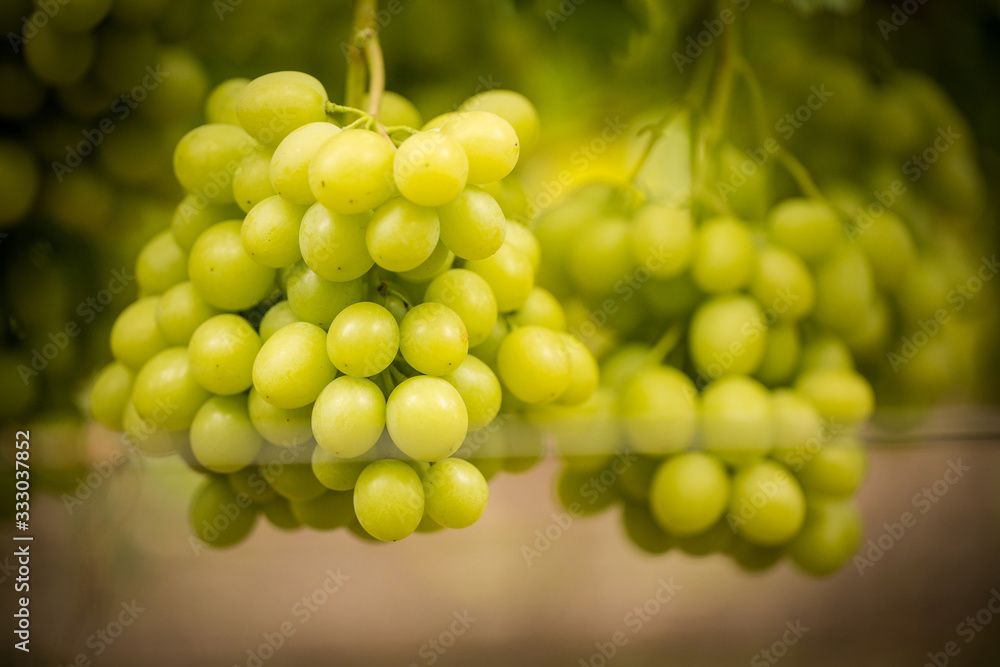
(93, 97)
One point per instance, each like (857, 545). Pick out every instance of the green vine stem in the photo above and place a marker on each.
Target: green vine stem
(365, 60)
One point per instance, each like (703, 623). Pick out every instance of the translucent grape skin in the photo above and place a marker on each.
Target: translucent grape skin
(110, 394)
(659, 410)
(219, 516)
(473, 224)
(292, 367)
(689, 493)
(433, 339)
(430, 168)
(767, 506)
(285, 428)
(222, 353)
(165, 390)
(180, 311)
(725, 257)
(251, 182)
(363, 339)
(161, 264)
(809, 228)
(584, 372)
(470, 296)
(534, 364)
(206, 158)
(728, 334)
(663, 239)
(225, 276)
(783, 284)
(289, 168)
(333, 245)
(135, 336)
(831, 532)
(842, 396)
(480, 391)
(273, 105)
(401, 235)
(319, 301)
(426, 418)
(348, 416)
(276, 317)
(513, 107)
(509, 274)
(352, 172)
(541, 308)
(439, 261)
(270, 232)
(737, 420)
(455, 493)
(223, 439)
(389, 500)
(335, 473)
(488, 141)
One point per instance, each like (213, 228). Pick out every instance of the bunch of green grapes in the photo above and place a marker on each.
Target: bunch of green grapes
(329, 324)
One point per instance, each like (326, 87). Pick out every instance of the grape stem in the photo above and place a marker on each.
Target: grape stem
(365, 57)
(665, 345)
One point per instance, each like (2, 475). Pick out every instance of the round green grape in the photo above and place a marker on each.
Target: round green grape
(389, 500)
(426, 418)
(292, 367)
(222, 352)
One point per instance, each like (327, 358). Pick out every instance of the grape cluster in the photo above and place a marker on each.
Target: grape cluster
(330, 323)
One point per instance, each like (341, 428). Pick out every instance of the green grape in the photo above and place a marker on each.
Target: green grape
(402, 235)
(512, 198)
(781, 357)
(77, 15)
(148, 436)
(194, 215)
(479, 389)
(439, 121)
(58, 58)
(181, 91)
(541, 308)
(251, 180)
(332, 510)
(844, 289)
(870, 340)
(426, 418)
(161, 264)
(534, 364)
(289, 169)
(841, 396)
(25, 92)
(394, 110)
(826, 351)
(180, 311)
(206, 158)
(736, 420)
(798, 428)
(623, 362)
(276, 317)
(663, 239)
(831, 533)
(925, 291)
(583, 493)
(285, 428)
(223, 273)
(319, 301)
(430, 169)
(659, 409)
(513, 107)
(81, 201)
(352, 171)
(489, 142)
(753, 558)
(270, 232)
(717, 539)
(585, 434)
(485, 449)
(521, 238)
(279, 514)
(643, 531)
(18, 182)
(220, 107)
(389, 500)
(292, 367)
(223, 439)
(455, 493)
(219, 516)
(767, 506)
(635, 480)
(689, 493)
(273, 105)
(783, 285)
(349, 416)
(289, 472)
(728, 334)
(508, 274)
(472, 225)
(433, 339)
(810, 228)
(890, 249)
(334, 473)
(222, 352)
(110, 394)
(135, 336)
(584, 373)
(836, 470)
(333, 244)
(363, 339)
(249, 482)
(724, 256)
(439, 262)
(600, 258)
(165, 390)
(470, 297)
